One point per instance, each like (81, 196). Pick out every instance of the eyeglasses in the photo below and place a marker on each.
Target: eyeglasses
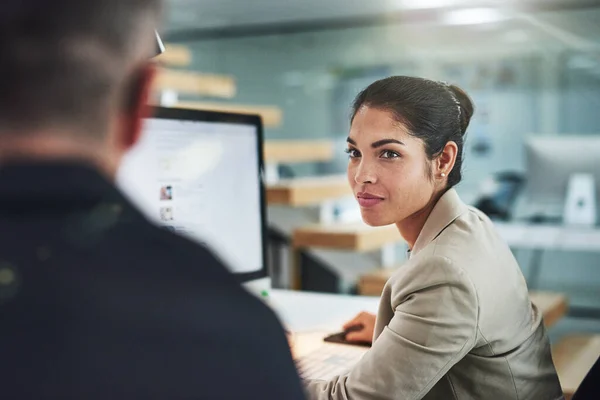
(160, 47)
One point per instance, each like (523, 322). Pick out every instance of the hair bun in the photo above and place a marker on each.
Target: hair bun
(466, 107)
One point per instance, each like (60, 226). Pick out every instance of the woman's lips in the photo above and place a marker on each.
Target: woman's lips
(368, 200)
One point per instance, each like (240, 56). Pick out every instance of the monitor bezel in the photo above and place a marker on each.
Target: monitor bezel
(171, 113)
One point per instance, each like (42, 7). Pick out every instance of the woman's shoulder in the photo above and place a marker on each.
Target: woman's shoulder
(431, 281)
(471, 248)
(427, 269)
(470, 238)
(468, 248)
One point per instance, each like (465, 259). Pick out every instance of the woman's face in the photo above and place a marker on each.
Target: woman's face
(388, 169)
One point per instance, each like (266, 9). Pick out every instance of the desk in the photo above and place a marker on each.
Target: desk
(553, 306)
(540, 237)
(311, 316)
(554, 237)
(308, 311)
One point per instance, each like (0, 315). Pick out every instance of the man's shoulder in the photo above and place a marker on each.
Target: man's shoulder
(170, 243)
(153, 244)
(183, 258)
(197, 270)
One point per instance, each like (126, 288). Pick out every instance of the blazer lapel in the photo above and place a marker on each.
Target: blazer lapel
(448, 208)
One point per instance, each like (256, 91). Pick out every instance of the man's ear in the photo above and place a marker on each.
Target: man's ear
(137, 105)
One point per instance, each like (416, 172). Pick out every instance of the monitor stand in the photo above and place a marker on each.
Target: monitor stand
(258, 287)
(580, 205)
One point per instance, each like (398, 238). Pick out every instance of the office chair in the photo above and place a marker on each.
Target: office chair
(500, 204)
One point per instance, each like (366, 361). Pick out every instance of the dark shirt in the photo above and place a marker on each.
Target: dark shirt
(96, 302)
(590, 387)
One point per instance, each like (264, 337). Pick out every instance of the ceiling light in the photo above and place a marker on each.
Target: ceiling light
(422, 4)
(472, 16)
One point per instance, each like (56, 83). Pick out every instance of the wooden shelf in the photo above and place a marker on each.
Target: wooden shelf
(175, 55)
(299, 192)
(355, 236)
(372, 283)
(272, 116)
(573, 357)
(186, 82)
(294, 151)
(554, 306)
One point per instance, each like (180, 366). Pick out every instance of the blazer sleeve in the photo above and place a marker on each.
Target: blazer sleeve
(434, 325)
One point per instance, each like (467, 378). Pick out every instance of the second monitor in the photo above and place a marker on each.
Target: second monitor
(551, 162)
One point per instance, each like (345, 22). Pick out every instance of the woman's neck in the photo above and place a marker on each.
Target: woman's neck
(410, 228)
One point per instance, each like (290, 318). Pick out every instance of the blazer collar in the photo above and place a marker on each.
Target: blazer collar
(447, 209)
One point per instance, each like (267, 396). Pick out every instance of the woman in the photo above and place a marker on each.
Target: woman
(455, 322)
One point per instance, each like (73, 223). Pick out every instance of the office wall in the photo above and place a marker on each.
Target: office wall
(524, 81)
(581, 93)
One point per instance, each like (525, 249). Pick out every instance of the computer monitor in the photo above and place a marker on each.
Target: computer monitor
(550, 162)
(200, 174)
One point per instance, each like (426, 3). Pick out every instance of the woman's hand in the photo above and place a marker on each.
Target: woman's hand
(361, 328)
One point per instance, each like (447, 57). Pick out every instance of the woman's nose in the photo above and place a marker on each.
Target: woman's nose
(365, 173)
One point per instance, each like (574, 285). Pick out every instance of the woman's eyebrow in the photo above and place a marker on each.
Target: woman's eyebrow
(378, 143)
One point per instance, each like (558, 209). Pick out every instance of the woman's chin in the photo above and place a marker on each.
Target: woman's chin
(375, 220)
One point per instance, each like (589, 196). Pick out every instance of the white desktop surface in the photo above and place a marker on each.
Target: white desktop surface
(310, 311)
(311, 316)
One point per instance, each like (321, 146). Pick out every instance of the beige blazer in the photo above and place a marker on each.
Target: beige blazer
(454, 322)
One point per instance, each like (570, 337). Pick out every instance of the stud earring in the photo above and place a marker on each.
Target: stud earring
(443, 174)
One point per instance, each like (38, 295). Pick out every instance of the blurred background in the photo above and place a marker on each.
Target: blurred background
(532, 156)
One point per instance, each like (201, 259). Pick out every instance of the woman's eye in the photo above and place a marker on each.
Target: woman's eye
(389, 154)
(352, 153)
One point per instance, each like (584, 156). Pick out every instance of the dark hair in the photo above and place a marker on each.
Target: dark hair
(66, 62)
(432, 111)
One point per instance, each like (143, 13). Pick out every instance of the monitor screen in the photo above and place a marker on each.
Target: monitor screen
(199, 174)
(551, 161)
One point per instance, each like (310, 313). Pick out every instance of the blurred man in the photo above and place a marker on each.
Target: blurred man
(590, 386)
(95, 302)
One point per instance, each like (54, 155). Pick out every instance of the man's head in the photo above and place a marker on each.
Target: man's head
(75, 71)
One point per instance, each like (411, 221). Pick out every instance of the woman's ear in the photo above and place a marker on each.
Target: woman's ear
(446, 159)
